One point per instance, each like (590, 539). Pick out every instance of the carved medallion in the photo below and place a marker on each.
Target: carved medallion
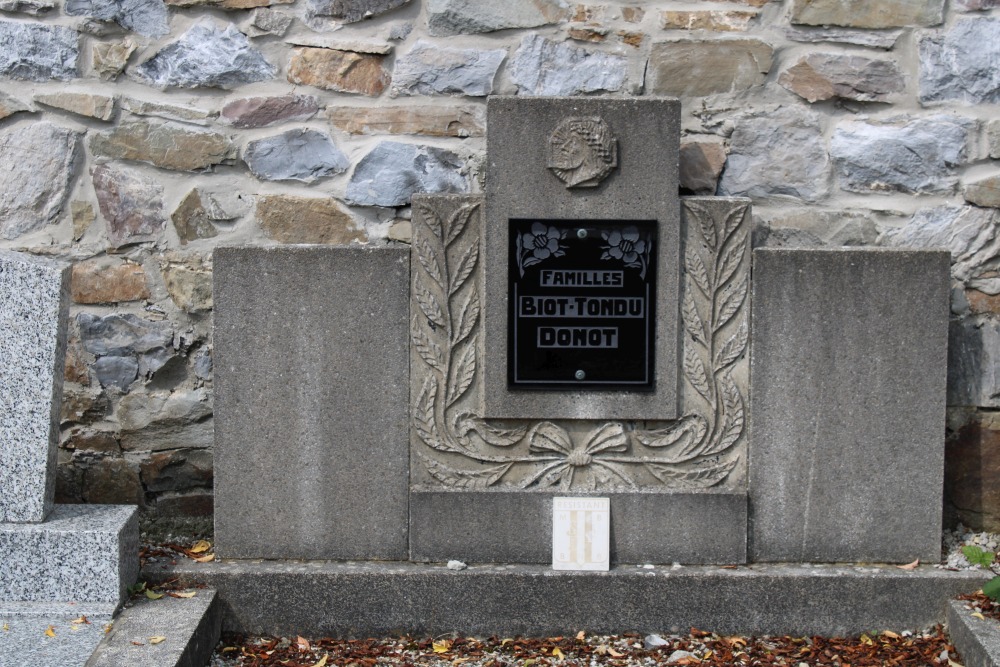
(582, 152)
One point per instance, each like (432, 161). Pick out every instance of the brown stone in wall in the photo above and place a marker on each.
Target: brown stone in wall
(101, 107)
(164, 144)
(227, 4)
(631, 37)
(289, 219)
(868, 13)
(701, 165)
(984, 192)
(109, 59)
(712, 20)
(83, 216)
(633, 14)
(340, 71)
(108, 281)
(252, 112)
(588, 34)
(191, 219)
(981, 303)
(91, 441)
(131, 204)
(189, 286)
(77, 369)
(114, 481)
(691, 68)
(177, 470)
(822, 76)
(433, 121)
(972, 469)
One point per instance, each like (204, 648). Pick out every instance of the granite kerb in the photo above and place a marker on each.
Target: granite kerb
(278, 597)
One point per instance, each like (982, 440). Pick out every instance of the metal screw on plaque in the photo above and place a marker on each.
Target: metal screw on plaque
(579, 375)
(581, 233)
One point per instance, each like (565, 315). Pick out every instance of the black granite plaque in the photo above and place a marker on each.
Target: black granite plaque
(581, 304)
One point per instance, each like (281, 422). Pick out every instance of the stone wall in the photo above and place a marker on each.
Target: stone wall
(139, 135)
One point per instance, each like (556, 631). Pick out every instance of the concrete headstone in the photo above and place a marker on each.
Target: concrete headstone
(848, 411)
(311, 402)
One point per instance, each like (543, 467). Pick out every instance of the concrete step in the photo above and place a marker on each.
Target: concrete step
(81, 553)
(44, 634)
(977, 639)
(323, 598)
(190, 627)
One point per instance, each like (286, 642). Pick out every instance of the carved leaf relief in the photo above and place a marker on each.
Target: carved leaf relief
(458, 448)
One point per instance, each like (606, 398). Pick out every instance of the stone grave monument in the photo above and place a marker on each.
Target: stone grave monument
(578, 333)
(65, 568)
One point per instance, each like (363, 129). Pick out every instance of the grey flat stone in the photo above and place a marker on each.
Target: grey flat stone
(34, 302)
(295, 155)
(915, 155)
(977, 640)
(190, 627)
(363, 600)
(34, 193)
(431, 69)
(146, 17)
(516, 527)
(957, 64)
(311, 396)
(82, 553)
(206, 56)
(846, 464)
(37, 52)
(644, 187)
(543, 67)
(24, 642)
(392, 172)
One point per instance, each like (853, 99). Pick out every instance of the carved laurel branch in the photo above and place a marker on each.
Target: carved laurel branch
(686, 453)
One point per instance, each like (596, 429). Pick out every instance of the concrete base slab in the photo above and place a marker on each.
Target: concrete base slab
(323, 598)
(84, 553)
(977, 640)
(516, 527)
(190, 626)
(23, 638)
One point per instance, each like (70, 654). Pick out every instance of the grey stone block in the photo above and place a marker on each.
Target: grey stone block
(643, 187)
(34, 300)
(344, 599)
(311, 395)
(847, 421)
(82, 553)
(191, 627)
(24, 642)
(516, 527)
(977, 640)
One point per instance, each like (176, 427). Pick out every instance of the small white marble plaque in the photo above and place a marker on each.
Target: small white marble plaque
(580, 533)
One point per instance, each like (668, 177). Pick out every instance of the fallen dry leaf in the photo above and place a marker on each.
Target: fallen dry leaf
(200, 547)
(557, 653)
(204, 559)
(134, 643)
(615, 654)
(909, 566)
(441, 646)
(321, 662)
(153, 595)
(82, 620)
(157, 640)
(6, 628)
(107, 628)
(302, 643)
(890, 634)
(51, 631)
(978, 615)
(581, 636)
(185, 594)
